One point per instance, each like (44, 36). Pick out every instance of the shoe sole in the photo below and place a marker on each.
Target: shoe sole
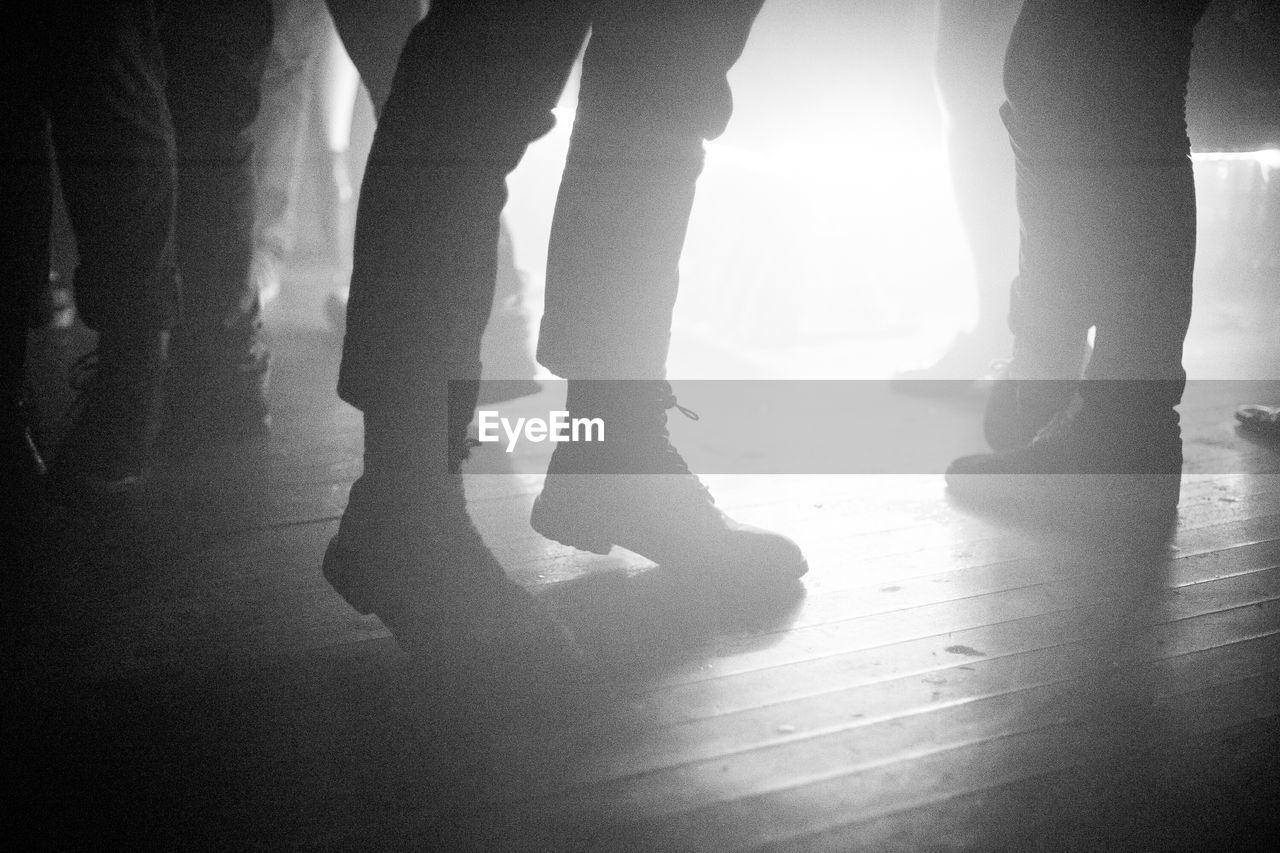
(550, 521)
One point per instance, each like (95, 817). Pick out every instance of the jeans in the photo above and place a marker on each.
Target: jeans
(215, 53)
(475, 85)
(373, 35)
(86, 82)
(1096, 114)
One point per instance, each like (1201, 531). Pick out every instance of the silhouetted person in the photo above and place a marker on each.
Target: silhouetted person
(1095, 113)
(476, 84)
(85, 83)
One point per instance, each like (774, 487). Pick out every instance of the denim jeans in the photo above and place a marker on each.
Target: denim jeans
(85, 82)
(475, 85)
(215, 53)
(1096, 114)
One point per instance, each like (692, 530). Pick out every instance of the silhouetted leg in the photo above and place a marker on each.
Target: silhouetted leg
(654, 88)
(114, 142)
(373, 34)
(1096, 114)
(474, 87)
(215, 54)
(26, 174)
(971, 39)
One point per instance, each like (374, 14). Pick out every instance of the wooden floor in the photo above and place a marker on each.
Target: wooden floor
(182, 676)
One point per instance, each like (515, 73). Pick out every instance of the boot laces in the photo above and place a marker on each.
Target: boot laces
(672, 456)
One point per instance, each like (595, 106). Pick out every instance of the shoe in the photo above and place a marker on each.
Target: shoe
(1260, 420)
(1081, 461)
(1017, 409)
(217, 392)
(637, 493)
(430, 579)
(108, 449)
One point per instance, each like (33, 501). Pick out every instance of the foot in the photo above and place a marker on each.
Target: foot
(428, 576)
(1082, 461)
(1017, 409)
(655, 507)
(108, 448)
(1261, 420)
(1028, 390)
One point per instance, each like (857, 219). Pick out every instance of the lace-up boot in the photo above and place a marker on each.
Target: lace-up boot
(635, 491)
(108, 448)
(407, 552)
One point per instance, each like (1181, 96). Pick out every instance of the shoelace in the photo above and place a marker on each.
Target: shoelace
(668, 401)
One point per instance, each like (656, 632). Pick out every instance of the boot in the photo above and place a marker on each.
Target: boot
(634, 490)
(1038, 382)
(407, 552)
(109, 447)
(1107, 453)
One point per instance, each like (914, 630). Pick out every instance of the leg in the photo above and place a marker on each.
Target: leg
(280, 132)
(1095, 113)
(374, 35)
(654, 88)
(475, 85)
(971, 39)
(114, 142)
(215, 55)
(26, 176)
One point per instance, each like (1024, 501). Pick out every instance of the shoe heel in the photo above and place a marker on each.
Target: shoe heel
(550, 525)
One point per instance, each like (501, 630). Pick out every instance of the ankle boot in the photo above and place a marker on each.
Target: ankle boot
(635, 491)
(1113, 450)
(407, 552)
(1038, 383)
(108, 448)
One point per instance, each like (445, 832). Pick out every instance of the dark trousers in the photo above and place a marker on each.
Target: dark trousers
(475, 85)
(1096, 113)
(215, 53)
(85, 82)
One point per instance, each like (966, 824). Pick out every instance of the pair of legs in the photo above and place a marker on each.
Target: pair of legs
(85, 84)
(1096, 115)
(475, 85)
